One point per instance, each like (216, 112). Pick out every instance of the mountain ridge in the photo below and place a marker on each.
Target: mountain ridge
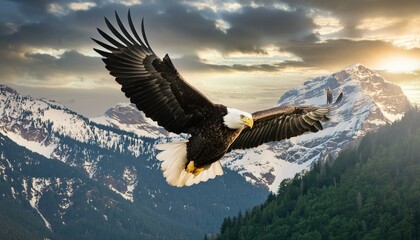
(113, 152)
(364, 108)
(369, 102)
(113, 163)
(125, 116)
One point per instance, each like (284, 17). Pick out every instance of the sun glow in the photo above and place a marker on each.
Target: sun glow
(399, 64)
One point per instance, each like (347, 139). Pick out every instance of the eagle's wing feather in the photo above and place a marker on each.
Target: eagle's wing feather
(280, 123)
(154, 85)
(329, 96)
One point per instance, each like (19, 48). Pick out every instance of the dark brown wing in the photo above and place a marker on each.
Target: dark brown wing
(280, 123)
(155, 86)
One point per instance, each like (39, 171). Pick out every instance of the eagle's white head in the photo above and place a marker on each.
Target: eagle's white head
(236, 119)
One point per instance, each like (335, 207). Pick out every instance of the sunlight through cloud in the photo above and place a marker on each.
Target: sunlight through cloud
(48, 51)
(407, 41)
(56, 9)
(399, 64)
(327, 24)
(126, 2)
(62, 10)
(373, 24)
(214, 6)
(273, 55)
(222, 25)
(231, 7)
(81, 6)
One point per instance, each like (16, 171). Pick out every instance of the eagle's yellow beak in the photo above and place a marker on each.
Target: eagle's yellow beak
(248, 121)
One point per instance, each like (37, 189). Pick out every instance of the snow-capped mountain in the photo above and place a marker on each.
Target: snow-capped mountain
(125, 116)
(45, 127)
(78, 166)
(43, 198)
(40, 125)
(369, 102)
(113, 158)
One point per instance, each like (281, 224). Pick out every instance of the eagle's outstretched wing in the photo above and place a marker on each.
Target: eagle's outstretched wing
(154, 85)
(282, 122)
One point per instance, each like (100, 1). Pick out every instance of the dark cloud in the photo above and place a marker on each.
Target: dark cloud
(351, 13)
(192, 63)
(68, 62)
(272, 24)
(361, 8)
(172, 27)
(275, 67)
(47, 69)
(250, 28)
(336, 54)
(400, 77)
(30, 10)
(7, 28)
(9, 11)
(180, 29)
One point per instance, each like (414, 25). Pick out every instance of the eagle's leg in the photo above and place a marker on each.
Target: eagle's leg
(190, 167)
(197, 171)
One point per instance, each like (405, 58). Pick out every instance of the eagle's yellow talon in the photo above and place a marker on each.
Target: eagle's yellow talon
(197, 171)
(190, 167)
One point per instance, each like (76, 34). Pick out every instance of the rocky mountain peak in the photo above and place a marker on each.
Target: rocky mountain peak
(126, 113)
(127, 117)
(369, 102)
(6, 89)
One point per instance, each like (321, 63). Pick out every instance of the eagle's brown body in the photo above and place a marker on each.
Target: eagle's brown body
(211, 139)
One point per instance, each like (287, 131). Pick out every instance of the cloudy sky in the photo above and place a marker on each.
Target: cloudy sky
(240, 53)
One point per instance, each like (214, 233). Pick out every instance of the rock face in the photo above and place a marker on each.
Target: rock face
(369, 102)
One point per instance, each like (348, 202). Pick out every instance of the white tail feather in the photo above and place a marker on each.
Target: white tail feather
(174, 159)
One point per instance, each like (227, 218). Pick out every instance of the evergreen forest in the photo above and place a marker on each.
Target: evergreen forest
(369, 192)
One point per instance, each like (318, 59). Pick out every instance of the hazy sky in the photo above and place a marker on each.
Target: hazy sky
(241, 53)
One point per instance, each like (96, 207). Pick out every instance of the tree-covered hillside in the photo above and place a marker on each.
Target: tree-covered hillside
(372, 192)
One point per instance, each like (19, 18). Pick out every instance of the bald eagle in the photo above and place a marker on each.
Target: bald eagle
(155, 86)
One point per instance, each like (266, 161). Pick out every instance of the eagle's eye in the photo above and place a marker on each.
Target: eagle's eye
(242, 116)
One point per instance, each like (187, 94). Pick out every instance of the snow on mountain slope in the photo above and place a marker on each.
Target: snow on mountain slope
(127, 117)
(50, 129)
(369, 102)
(38, 124)
(78, 169)
(63, 197)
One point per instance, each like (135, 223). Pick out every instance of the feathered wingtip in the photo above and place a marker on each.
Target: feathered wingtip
(333, 106)
(125, 38)
(339, 98)
(330, 97)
